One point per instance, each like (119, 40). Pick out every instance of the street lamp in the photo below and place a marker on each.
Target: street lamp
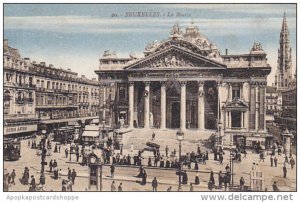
(231, 160)
(180, 137)
(43, 156)
(219, 132)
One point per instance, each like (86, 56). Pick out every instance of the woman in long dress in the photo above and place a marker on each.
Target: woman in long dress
(197, 180)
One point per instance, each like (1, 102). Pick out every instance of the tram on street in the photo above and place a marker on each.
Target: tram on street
(64, 134)
(11, 150)
(90, 135)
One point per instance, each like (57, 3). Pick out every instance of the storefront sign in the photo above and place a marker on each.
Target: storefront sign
(19, 129)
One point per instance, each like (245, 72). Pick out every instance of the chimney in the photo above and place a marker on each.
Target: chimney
(43, 64)
(226, 51)
(51, 65)
(33, 62)
(69, 70)
(83, 76)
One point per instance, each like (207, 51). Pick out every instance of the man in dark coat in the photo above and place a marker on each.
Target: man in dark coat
(144, 178)
(74, 175)
(184, 177)
(112, 170)
(271, 160)
(12, 177)
(154, 184)
(50, 166)
(69, 174)
(275, 161)
(32, 184)
(284, 171)
(275, 188)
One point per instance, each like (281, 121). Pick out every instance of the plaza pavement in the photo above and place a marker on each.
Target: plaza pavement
(165, 177)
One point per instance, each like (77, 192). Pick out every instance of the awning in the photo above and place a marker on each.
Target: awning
(90, 134)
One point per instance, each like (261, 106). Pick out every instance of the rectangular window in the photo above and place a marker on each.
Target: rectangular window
(236, 92)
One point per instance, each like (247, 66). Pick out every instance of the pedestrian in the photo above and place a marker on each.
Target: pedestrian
(167, 151)
(28, 144)
(12, 177)
(275, 188)
(275, 161)
(271, 160)
(169, 189)
(292, 162)
(77, 156)
(42, 179)
(242, 184)
(69, 174)
(221, 158)
(55, 148)
(50, 165)
(153, 136)
(120, 187)
(284, 171)
(206, 155)
(245, 154)
(74, 175)
(210, 186)
(63, 185)
(286, 159)
(220, 179)
(32, 184)
(54, 164)
(191, 187)
(144, 178)
(149, 162)
(198, 149)
(112, 170)
(196, 166)
(184, 177)
(59, 148)
(112, 187)
(154, 184)
(66, 152)
(212, 179)
(197, 180)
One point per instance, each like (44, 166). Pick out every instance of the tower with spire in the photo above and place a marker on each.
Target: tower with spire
(284, 63)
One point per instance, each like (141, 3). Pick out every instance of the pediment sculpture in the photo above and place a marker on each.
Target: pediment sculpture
(172, 61)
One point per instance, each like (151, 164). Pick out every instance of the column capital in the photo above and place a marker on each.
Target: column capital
(147, 83)
(183, 83)
(163, 83)
(131, 83)
(200, 83)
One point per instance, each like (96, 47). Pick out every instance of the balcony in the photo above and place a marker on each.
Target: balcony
(20, 100)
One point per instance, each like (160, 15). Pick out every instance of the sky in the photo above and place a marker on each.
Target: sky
(76, 35)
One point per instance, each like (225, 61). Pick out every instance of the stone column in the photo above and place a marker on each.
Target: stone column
(131, 104)
(252, 106)
(257, 107)
(147, 105)
(201, 109)
(242, 120)
(163, 100)
(183, 105)
(229, 120)
(229, 92)
(261, 101)
(246, 95)
(104, 102)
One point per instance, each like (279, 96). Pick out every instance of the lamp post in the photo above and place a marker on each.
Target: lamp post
(180, 137)
(43, 156)
(231, 161)
(219, 132)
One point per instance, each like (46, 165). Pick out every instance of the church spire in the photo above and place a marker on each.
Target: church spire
(284, 63)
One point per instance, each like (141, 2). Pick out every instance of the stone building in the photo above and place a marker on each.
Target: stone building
(184, 82)
(284, 73)
(42, 94)
(271, 103)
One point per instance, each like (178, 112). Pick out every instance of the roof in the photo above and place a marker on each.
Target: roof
(90, 134)
(271, 89)
(91, 128)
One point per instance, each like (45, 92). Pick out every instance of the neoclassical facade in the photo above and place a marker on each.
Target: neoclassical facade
(184, 82)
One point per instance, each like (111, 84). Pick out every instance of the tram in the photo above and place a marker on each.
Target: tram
(11, 150)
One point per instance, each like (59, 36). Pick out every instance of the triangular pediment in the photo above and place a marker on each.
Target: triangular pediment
(175, 57)
(236, 104)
